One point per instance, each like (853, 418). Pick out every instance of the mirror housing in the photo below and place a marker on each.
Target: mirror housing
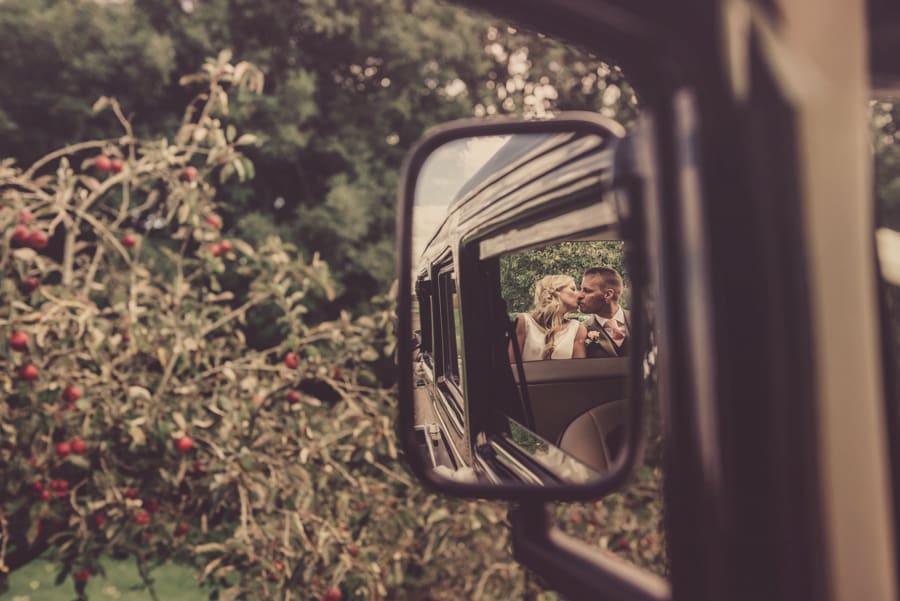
(621, 183)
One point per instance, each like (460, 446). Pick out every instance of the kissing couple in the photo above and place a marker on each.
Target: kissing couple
(546, 332)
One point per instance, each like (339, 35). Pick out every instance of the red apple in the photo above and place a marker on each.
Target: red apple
(128, 240)
(225, 246)
(78, 446)
(18, 341)
(142, 518)
(213, 220)
(189, 174)
(63, 449)
(215, 249)
(184, 444)
(354, 550)
(333, 595)
(292, 360)
(102, 163)
(130, 493)
(293, 397)
(181, 529)
(151, 506)
(20, 235)
(26, 216)
(71, 394)
(31, 284)
(38, 239)
(82, 576)
(45, 495)
(99, 520)
(278, 567)
(116, 165)
(37, 485)
(29, 372)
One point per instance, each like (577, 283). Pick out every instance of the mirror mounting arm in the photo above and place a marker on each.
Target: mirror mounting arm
(573, 567)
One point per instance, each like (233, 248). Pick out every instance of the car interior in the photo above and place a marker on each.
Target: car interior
(579, 405)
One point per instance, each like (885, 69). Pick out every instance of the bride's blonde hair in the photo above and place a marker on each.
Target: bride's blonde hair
(548, 310)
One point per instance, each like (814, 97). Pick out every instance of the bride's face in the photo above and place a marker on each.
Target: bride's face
(568, 296)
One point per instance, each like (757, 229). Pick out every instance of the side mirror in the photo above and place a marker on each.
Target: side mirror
(520, 271)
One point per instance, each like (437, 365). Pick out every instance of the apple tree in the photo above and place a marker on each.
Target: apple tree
(133, 419)
(136, 421)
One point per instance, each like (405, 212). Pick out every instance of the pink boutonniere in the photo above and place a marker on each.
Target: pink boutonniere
(593, 337)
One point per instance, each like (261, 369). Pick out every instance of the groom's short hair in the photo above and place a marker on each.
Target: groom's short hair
(610, 277)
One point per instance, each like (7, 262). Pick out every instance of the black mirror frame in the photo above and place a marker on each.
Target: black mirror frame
(633, 233)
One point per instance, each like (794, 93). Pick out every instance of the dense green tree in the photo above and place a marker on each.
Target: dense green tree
(349, 87)
(58, 57)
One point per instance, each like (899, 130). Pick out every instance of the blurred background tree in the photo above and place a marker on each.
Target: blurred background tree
(349, 87)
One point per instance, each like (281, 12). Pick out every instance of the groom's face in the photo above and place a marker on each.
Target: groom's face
(595, 296)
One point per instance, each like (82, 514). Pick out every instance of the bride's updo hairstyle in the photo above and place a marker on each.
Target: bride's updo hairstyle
(549, 311)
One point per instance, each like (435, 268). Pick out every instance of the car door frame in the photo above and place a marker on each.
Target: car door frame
(741, 520)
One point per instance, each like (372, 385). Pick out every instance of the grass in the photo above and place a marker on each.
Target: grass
(36, 582)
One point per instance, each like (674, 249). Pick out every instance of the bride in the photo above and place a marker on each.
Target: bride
(545, 333)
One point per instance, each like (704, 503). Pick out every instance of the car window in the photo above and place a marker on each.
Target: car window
(884, 118)
(451, 361)
(423, 320)
(457, 333)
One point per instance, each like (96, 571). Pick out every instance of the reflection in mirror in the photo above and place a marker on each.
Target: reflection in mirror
(569, 300)
(520, 310)
(578, 311)
(560, 463)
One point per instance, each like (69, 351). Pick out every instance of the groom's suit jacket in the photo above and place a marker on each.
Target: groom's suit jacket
(605, 347)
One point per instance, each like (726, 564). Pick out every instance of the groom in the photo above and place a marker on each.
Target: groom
(608, 324)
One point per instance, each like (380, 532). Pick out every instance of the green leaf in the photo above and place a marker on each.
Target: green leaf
(100, 104)
(226, 172)
(437, 516)
(79, 462)
(246, 140)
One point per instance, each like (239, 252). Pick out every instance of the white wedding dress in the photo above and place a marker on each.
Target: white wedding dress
(534, 340)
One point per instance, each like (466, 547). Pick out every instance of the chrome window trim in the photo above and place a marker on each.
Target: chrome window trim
(514, 465)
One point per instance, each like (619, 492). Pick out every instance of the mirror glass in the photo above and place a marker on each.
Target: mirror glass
(520, 310)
